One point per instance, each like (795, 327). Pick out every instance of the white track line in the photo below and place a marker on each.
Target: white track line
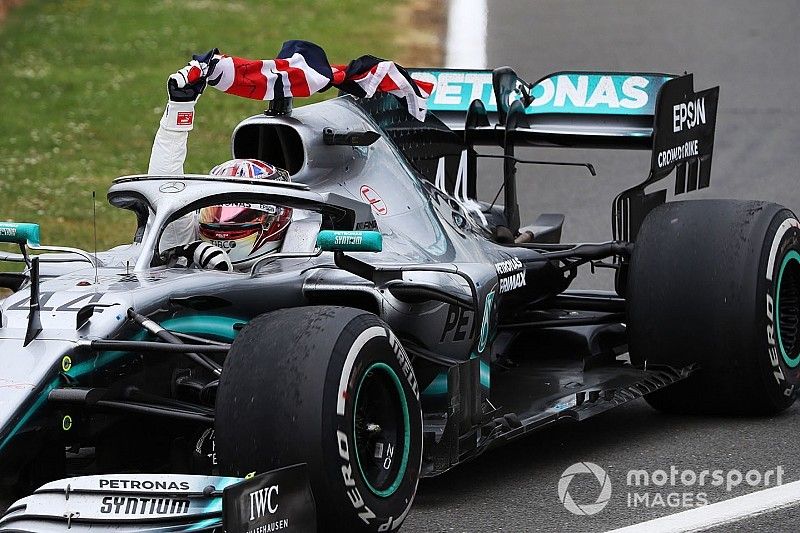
(466, 34)
(724, 512)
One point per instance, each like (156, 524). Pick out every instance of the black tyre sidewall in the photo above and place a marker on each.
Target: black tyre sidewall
(356, 499)
(780, 380)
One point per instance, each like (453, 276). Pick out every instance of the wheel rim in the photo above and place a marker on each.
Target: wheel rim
(381, 429)
(787, 309)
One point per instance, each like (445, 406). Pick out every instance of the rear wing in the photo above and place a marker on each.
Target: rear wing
(578, 109)
(619, 110)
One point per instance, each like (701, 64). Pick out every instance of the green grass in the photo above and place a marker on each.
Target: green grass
(83, 88)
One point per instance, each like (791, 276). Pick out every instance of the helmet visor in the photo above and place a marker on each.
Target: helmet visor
(237, 214)
(260, 222)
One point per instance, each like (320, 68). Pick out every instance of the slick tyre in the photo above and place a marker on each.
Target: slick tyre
(331, 387)
(716, 283)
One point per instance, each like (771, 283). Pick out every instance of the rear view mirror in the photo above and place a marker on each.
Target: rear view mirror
(350, 241)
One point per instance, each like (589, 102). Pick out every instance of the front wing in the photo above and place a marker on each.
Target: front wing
(279, 500)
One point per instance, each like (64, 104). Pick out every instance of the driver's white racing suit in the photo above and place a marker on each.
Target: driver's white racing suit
(167, 157)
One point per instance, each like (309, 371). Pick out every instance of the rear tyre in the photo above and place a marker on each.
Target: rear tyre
(717, 283)
(331, 387)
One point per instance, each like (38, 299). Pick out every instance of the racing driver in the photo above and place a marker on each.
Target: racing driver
(220, 237)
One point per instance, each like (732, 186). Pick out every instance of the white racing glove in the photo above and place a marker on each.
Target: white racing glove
(184, 88)
(207, 256)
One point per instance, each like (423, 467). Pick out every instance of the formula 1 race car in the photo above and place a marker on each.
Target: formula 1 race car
(405, 327)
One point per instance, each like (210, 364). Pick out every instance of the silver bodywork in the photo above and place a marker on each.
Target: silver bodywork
(420, 225)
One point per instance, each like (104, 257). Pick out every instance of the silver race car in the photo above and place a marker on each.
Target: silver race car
(405, 326)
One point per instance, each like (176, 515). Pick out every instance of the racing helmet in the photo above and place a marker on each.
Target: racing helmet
(246, 231)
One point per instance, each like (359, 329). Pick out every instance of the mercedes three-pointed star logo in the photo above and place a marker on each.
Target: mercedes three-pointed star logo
(172, 187)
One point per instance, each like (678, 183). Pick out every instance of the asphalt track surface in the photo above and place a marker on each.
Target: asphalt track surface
(752, 50)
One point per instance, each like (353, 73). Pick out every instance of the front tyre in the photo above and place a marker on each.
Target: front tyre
(331, 387)
(717, 283)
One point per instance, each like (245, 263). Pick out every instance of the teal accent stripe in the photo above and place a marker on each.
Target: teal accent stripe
(486, 375)
(37, 404)
(207, 523)
(438, 387)
(792, 362)
(217, 326)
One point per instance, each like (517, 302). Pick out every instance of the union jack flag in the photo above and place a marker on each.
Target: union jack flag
(302, 69)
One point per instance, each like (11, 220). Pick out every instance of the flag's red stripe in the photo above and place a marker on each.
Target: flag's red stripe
(248, 82)
(339, 73)
(426, 86)
(387, 84)
(297, 78)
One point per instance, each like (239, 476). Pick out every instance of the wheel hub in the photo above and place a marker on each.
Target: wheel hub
(381, 429)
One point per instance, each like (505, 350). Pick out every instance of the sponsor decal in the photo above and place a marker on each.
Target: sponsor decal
(347, 239)
(146, 484)
(566, 92)
(184, 118)
(687, 115)
(487, 316)
(353, 494)
(511, 274)
(405, 362)
(269, 208)
(8, 232)
(369, 225)
(273, 501)
(772, 346)
(772, 287)
(591, 92)
(508, 266)
(66, 363)
(374, 200)
(139, 505)
(458, 324)
(677, 153)
(225, 245)
(261, 501)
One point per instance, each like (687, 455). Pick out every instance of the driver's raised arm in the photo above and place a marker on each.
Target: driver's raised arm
(184, 88)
